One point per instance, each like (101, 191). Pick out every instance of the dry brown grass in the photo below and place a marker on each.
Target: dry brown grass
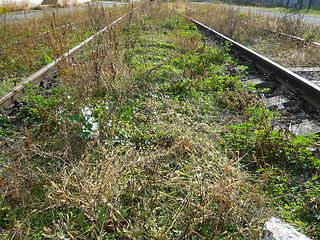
(9, 7)
(252, 30)
(153, 174)
(28, 45)
(200, 190)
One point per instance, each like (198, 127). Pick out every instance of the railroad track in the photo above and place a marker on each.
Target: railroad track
(293, 38)
(273, 76)
(27, 48)
(46, 73)
(295, 96)
(297, 39)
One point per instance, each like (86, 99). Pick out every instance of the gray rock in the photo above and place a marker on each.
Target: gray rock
(275, 229)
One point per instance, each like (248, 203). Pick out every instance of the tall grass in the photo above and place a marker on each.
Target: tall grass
(149, 135)
(251, 30)
(29, 45)
(151, 169)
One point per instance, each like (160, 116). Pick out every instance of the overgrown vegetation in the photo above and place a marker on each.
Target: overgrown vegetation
(28, 45)
(253, 30)
(150, 135)
(288, 165)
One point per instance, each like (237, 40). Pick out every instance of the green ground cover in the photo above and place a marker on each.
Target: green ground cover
(182, 148)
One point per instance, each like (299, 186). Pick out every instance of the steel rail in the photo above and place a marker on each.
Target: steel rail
(309, 91)
(296, 38)
(8, 101)
(292, 37)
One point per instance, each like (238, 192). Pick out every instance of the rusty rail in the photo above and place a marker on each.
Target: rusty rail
(8, 101)
(309, 91)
